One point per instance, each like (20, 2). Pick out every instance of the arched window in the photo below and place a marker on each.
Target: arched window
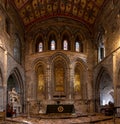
(77, 46)
(101, 51)
(40, 49)
(52, 45)
(65, 45)
(39, 44)
(65, 42)
(100, 42)
(17, 48)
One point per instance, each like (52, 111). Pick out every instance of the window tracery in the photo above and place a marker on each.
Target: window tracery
(100, 43)
(52, 45)
(65, 45)
(65, 42)
(78, 45)
(40, 49)
(52, 42)
(39, 44)
(17, 48)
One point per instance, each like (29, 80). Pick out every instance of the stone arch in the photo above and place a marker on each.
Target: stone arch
(33, 69)
(81, 66)
(104, 89)
(35, 41)
(79, 38)
(39, 69)
(52, 35)
(60, 70)
(66, 35)
(15, 81)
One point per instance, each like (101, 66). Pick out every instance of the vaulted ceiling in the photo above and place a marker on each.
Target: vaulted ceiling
(32, 11)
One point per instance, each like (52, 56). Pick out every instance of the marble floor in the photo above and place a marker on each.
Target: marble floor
(63, 119)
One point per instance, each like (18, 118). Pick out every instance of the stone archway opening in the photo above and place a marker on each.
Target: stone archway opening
(104, 90)
(15, 91)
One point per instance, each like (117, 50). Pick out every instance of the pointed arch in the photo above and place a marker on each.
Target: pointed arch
(40, 79)
(66, 35)
(80, 81)
(78, 44)
(52, 43)
(39, 44)
(59, 74)
(104, 88)
(65, 41)
(15, 81)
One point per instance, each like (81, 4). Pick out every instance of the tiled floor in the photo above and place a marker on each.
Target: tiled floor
(53, 119)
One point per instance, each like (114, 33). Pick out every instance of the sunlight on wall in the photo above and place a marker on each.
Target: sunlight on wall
(106, 99)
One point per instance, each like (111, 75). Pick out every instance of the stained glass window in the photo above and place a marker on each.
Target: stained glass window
(40, 49)
(65, 45)
(52, 45)
(77, 47)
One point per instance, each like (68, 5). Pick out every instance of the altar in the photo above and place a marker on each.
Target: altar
(60, 108)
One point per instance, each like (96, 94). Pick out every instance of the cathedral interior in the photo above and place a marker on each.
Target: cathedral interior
(59, 58)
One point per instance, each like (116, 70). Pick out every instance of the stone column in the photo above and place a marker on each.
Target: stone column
(114, 78)
(89, 90)
(45, 45)
(5, 79)
(72, 43)
(30, 46)
(59, 43)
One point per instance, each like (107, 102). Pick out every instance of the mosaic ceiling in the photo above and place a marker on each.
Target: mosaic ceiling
(31, 11)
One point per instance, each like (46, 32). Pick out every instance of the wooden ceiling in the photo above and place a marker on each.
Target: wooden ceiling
(31, 11)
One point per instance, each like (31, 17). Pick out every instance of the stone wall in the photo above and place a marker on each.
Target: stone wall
(48, 97)
(8, 63)
(109, 19)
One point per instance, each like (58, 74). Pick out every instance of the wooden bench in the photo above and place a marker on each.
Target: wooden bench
(2, 116)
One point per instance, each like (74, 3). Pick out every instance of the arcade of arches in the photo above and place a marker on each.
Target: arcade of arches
(61, 58)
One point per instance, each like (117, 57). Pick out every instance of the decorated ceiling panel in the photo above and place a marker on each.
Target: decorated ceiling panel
(31, 11)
